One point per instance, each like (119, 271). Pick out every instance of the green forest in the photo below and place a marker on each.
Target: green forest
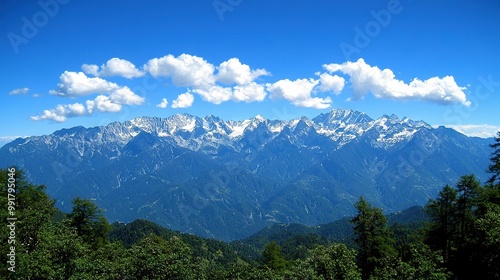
(460, 239)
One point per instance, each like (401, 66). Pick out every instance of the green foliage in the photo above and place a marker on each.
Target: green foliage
(156, 258)
(272, 257)
(334, 262)
(89, 222)
(494, 167)
(464, 225)
(56, 255)
(373, 237)
(215, 251)
(443, 227)
(463, 236)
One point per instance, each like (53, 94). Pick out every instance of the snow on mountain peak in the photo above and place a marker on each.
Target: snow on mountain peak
(209, 133)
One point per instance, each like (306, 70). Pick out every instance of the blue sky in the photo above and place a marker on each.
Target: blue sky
(67, 63)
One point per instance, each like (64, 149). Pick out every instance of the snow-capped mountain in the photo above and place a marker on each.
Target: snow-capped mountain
(225, 179)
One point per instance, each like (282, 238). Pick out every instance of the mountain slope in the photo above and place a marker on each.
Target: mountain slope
(228, 179)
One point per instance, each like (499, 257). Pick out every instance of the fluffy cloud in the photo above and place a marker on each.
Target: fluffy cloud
(199, 75)
(114, 101)
(383, 84)
(184, 70)
(298, 92)
(19, 91)
(114, 67)
(102, 103)
(78, 84)
(249, 92)
(62, 112)
(215, 94)
(329, 83)
(234, 72)
(163, 104)
(184, 100)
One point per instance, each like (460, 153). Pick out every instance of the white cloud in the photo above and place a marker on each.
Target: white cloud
(163, 104)
(114, 67)
(383, 84)
(102, 103)
(329, 83)
(114, 101)
(125, 96)
(234, 72)
(215, 94)
(249, 92)
(476, 130)
(19, 91)
(299, 93)
(78, 84)
(184, 70)
(91, 69)
(184, 100)
(62, 112)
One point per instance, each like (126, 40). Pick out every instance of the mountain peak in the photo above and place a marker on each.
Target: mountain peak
(340, 118)
(259, 118)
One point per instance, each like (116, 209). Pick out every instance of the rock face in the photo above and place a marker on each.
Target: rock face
(228, 179)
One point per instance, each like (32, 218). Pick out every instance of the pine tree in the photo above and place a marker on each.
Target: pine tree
(273, 258)
(373, 238)
(89, 222)
(494, 167)
(443, 226)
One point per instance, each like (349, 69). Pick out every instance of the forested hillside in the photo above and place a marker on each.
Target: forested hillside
(461, 240)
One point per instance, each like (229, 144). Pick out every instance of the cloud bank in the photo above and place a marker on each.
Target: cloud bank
(232, 80)
(383, 84)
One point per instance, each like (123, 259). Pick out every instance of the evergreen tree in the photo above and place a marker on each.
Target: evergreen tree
(273, 258)
(468, 191)
(443, 226)
(494, 167)
(89, 222)
(373, 238)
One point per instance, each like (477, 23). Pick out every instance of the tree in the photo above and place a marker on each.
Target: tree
(468, 191)
(373, 237)
(442, 229)
(486, 243)
(56, 255)
(494, 167)
(30, 207)
(110, 261)
(89, 222)
(335, 262)
(454, 230)
(156, 258)
(273, 258)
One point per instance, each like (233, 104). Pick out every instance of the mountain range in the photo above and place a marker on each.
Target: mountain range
(229, 179)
